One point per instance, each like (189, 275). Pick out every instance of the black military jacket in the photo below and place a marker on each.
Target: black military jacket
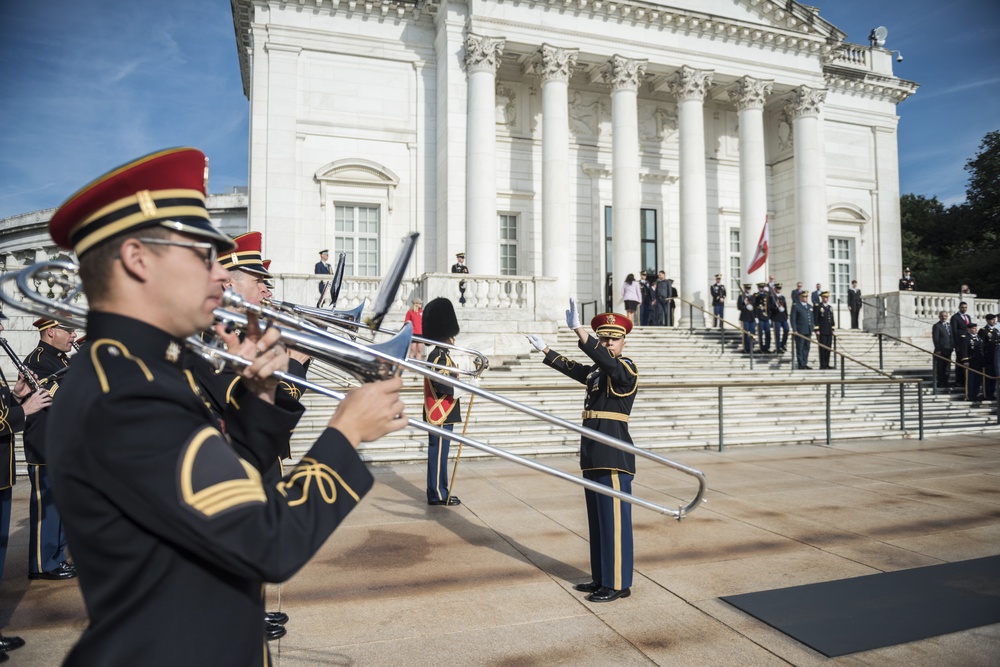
(173, 534)
(440, 404)
(823, 319)
(612, 383)
(718, 294)
(762, 306)
(44, 361)
(459, 268)
(907, 284)
(778, 308)
(11, 421)
(746, 314)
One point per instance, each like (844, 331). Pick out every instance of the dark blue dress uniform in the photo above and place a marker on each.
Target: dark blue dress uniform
(11, 421)
(611, 389)
(823, 323)
(990, 336)
(718, 291)
(744, 303)
(801, 321)
(778, 310)
(47, 539)
(441, 408)
(173, 533)
(762, 311)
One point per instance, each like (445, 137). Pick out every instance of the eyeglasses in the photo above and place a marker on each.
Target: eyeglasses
(210, 259)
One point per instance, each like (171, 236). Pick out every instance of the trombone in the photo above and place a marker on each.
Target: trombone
(348, 320)
(364, 362)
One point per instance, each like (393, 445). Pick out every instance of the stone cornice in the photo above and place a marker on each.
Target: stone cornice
(885, 88)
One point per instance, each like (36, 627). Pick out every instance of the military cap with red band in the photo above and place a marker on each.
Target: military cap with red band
(611, 325)
(247, 255)
(164, 189)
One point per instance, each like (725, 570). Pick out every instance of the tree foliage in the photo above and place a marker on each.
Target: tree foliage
(948, 247)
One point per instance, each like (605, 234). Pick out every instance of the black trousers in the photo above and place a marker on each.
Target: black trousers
(942, 367)
(855, 313)
(824, 354)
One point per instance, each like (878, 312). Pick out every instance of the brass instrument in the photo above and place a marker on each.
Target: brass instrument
(363, 361)
(22, 370)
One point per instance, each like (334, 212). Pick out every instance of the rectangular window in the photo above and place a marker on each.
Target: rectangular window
(508, 244)
(839, 251)
(735, 271)
(356, 228)
(648, 246)
(647, 239)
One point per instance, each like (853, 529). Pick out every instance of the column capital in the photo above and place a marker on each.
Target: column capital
(690, 83)
(750, 93)
(552, 63)
(482, 54)
(805, 101)
(623, 73)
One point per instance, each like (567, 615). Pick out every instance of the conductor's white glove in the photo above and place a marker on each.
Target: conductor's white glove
(537, 341)
(573, 316)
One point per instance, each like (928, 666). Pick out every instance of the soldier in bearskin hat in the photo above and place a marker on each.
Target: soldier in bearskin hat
(612, 381)
(441, 408)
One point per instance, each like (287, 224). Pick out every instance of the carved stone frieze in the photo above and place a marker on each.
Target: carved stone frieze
(506, 104)
(750, 93)
(585, 114)
(690, 84)
(656, 123)
(483, 54)
(623, 73)
(805, 101)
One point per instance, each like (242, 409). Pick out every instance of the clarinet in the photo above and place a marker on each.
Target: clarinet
(21, 368)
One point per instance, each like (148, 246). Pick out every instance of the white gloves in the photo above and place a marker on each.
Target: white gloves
(537, 341)
(573, 316)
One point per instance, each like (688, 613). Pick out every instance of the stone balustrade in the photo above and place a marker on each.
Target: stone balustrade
(910, 315)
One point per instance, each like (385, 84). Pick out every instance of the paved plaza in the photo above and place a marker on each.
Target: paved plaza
(490, 582)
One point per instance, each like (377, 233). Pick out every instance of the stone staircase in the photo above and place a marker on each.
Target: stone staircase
(759, 406)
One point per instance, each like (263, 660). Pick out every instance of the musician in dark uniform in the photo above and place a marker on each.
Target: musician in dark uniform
(976, 363)
(441, 407)
(323, 268)
(718, 291)
(854, 303)
(778, 310)
(907, 283)
(173, 533)
(990, 336)
(47, 541)
(744, 303)
(762, 311)
(460, 267)
(823, 323)
(248, 277)
(612, 381)
(15, 406)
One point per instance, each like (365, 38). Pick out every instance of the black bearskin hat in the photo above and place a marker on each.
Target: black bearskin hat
(440, 322)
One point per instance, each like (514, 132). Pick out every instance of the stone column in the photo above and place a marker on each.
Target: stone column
(811, 255)
(482, 234)
(749, 95)
(552, 64)
(623, 75)
(690, 86)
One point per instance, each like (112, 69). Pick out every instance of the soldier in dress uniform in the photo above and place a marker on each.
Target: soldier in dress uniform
(323, 268)
(441, 407)
(612, 381)
(15, 406)
(975, 381)
(47, 541)
(801, 321)
(823, 323)
(762, 311)
(172, 531)
(744, 303)
(718, 291)
(990, 336)
(854, 303)
(779, 316)
(460, 267)
(907, 283)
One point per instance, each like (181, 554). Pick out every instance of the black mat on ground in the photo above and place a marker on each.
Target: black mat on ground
(860, 614)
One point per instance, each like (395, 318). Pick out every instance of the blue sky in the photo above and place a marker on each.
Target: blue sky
(86, 86)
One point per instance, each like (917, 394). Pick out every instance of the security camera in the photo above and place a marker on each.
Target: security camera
(899, 59)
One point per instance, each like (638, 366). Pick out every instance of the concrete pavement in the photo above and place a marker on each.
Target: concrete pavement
(490, 582)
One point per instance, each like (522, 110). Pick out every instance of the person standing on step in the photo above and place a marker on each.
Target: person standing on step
(960, 330)
(990, 336)
(823, 322)
(441, 407)
(854, 303)
(718, 291)
(801, 321)
(779, 318)
(944, 344)
(612, 381)
(744, 303)
(975, 381)
(762, 311)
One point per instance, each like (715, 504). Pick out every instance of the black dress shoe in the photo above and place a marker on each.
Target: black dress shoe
(4, 657)
(275, 617)
(273, 631)
(588, 587)
(10, 643)
(64, 571)
(448, 501)
(605, 594)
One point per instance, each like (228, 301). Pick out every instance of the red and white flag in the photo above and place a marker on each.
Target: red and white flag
(760, 256)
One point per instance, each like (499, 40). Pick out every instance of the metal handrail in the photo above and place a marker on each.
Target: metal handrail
(839, 353)
(715, 317)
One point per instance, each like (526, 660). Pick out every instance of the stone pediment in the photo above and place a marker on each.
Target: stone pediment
(356, 173)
